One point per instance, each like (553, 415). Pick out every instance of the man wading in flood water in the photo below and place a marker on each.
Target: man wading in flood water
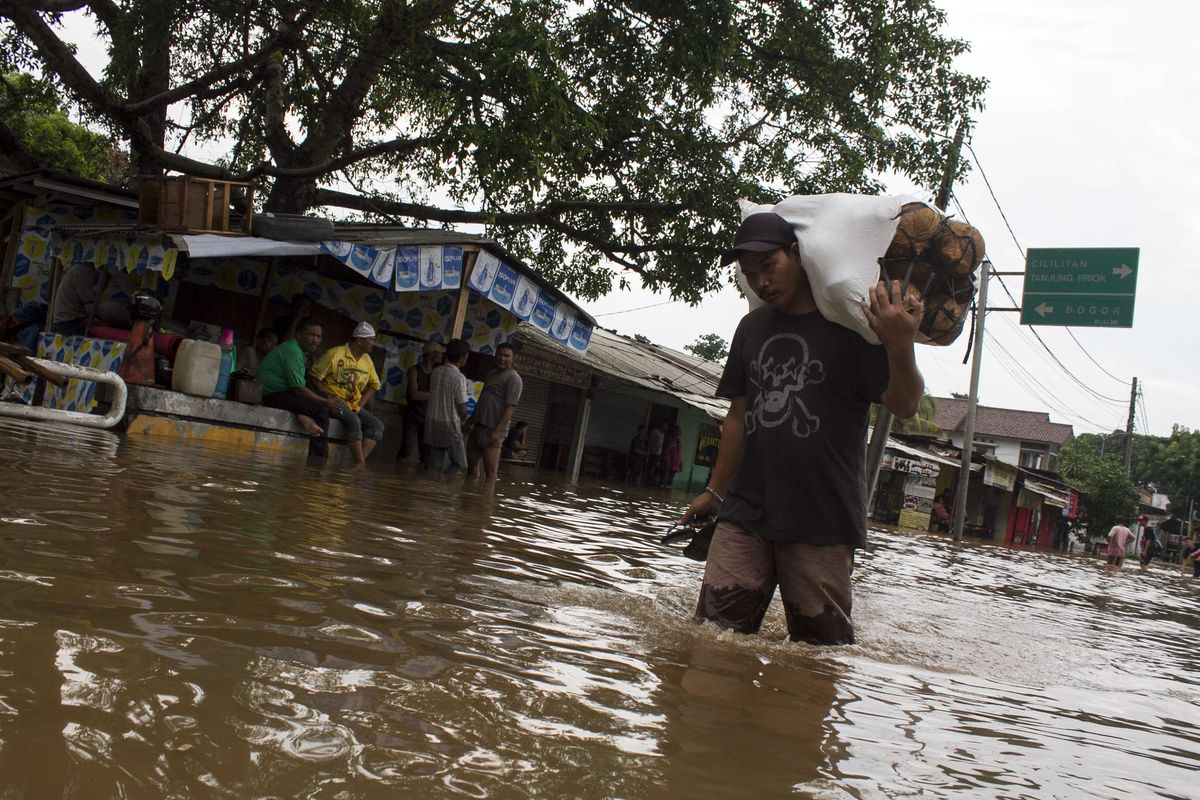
(788, 487)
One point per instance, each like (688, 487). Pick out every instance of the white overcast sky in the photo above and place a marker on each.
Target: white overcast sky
(1089, 140)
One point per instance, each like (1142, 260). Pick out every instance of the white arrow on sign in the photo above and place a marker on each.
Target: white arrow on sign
(1043, 309)
(1122, 271)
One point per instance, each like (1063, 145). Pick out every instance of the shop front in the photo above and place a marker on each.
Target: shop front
(413, 287)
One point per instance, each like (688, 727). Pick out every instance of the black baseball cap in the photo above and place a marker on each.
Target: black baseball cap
(760, 233)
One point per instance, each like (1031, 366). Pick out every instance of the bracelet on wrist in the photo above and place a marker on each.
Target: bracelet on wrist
(715, 494)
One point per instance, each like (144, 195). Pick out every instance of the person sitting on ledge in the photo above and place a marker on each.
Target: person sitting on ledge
(347, 373)
(514, 444)
(284, 377)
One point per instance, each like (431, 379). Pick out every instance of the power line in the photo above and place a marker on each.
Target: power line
(1021, 250)
(988, 183)
(639, 308)
(1013, 367)
(1094, 361)
(1033, 332)
(1119, 402)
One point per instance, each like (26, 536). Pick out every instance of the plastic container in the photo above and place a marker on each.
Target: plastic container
(228, 362)
(197, 368)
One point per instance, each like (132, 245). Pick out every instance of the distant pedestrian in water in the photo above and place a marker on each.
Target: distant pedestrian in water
(1118, 542)
(672, 458)
(1151, 547)
(657, 438)
(1192, 551)
(446, 411)
(639, 450)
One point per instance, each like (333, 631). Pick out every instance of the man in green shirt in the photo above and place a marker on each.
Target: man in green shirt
(284, 377)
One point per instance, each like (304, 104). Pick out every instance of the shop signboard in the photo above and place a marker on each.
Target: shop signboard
(914, 519)
(1002, 476)
(706, 446)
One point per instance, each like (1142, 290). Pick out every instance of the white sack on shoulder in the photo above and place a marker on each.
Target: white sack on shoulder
(842, 237)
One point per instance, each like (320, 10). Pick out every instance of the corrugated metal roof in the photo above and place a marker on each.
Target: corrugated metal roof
(649, 366)
(1011, 423)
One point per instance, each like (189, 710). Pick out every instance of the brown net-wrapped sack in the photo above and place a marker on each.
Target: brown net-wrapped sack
(937, 257)
(959, 247)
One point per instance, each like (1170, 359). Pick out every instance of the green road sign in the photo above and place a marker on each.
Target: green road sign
(1091, 287)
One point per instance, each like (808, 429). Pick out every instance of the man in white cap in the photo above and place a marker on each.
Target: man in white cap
(346, 373)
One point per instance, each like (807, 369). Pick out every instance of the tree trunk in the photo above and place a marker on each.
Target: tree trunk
(153, 77)
(291, 195)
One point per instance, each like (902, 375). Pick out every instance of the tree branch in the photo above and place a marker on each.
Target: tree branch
(61, 61)
(285, 37)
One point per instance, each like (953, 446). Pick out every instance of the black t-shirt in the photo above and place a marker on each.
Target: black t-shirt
(809, 384)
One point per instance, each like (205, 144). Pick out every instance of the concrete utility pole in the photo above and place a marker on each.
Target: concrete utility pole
(885, 418)
(1129, 428)
(964, 470)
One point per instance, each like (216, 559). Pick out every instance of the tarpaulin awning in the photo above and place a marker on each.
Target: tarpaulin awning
(425, 267)
(211, 245)
(1050, 495)
(925, 455)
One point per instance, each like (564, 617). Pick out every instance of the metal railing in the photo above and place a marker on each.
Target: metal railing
(120, 394)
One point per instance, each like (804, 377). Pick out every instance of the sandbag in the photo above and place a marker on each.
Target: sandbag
(841, 238)
(848, 242)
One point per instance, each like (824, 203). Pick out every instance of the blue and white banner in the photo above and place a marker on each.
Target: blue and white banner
(564, 323)
(504, 288)
(452, 264)
(484, 273)
(525, 300)
(542, 317)
(430, 268)
(408, 269)
(581, 336)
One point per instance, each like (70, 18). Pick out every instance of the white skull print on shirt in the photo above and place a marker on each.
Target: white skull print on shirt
(779, 374)
(807, 384)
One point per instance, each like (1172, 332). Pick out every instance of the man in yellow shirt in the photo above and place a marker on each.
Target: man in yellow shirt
(345, 373)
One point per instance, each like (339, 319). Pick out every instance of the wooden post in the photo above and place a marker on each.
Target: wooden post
(463, 298)
(12, 244)
(262, 298)
(56, 273)
(105, 280)
(582, 416)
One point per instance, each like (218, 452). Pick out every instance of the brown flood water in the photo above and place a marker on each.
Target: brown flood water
(194, 623)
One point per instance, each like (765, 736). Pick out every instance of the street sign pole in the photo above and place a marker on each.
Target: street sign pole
(964, 470)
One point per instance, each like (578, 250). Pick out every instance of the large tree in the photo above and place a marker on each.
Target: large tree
(1143, 454)
(710, 347)
(1106, 492)
(590, 137)
(36, 132)
(1176, 469)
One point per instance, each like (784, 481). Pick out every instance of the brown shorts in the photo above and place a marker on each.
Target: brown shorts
(481, 438)
(743, 570)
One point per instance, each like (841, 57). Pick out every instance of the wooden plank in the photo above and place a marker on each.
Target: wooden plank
(12, 244)
(210, 190)
(262, 299)
(10, 368)
(463, 297)
(37, 369)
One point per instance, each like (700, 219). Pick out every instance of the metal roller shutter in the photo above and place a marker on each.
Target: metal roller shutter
(532, 408)
(615, 418)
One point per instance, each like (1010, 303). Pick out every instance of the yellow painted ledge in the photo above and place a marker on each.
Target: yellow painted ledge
(200, 432)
